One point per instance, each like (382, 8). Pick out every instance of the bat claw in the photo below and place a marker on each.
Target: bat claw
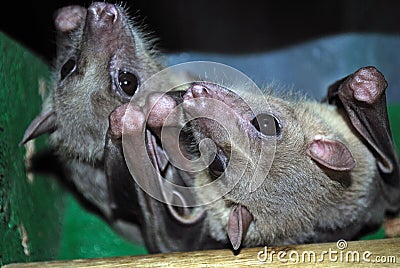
(367, 84)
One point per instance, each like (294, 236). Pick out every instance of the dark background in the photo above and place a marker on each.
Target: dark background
(216, 26)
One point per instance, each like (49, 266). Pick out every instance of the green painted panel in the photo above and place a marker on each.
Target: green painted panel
(31, 207)
(87, 236)
(394, 118)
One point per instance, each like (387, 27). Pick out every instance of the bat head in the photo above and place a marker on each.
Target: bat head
(281, 168)
(101, 61)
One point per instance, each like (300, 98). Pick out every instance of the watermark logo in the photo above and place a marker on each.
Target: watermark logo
(147, 153)
(341, 244)
(340, 254)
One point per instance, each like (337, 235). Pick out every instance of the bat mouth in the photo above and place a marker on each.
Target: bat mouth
(240, 218)
(167, 171)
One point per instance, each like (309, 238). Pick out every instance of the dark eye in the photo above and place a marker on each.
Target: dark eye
(217, 167)
(267, 124)
(68, 68)
(127, 82)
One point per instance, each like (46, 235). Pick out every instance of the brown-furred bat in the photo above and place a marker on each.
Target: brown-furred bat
(334, 172)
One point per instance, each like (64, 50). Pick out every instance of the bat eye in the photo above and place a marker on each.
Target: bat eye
(128, 82)
(267, 124)
(217, 166)
(68, 68)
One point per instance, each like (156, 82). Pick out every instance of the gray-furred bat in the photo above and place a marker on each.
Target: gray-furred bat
(102, 58)
(334, 174)
(324, 183)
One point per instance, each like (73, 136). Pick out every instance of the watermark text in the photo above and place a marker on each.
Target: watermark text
(339, 254)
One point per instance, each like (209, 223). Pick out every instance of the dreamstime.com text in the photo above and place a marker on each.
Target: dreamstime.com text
(340, 254)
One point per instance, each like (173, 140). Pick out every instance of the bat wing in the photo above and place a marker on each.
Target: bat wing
(121, 187)
(177, 228)
(362, 96)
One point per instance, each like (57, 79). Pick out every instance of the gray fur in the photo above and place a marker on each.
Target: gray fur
(300, 201)
(101, 44)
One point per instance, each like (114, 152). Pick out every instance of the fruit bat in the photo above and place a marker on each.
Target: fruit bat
(330, 172)
(102, 59)
(332, 175)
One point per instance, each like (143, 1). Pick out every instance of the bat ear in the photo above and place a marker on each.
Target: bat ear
(69, 18)
(43, 123)
(331, 153)
(239, 221)
(66, 20)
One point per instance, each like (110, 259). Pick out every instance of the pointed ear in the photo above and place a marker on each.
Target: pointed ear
(331, 153)
(43, 123)
(238, 224)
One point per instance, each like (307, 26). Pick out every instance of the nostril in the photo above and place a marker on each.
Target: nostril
(111, 11)
(199, 90)
(104, 11)
(96, 8)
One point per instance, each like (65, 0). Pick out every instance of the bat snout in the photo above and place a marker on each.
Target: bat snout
(106, 30)
(100, 12)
